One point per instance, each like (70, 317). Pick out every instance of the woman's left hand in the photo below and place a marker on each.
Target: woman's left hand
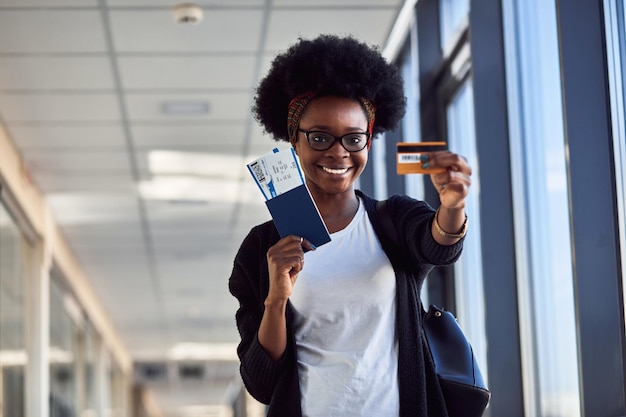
(451, 178)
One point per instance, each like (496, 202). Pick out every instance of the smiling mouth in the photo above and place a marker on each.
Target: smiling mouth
(335, 171)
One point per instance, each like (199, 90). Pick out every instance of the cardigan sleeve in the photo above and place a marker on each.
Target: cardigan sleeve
(248, 283)
(413, 220)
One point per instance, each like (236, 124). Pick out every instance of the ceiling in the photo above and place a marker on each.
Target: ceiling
(137, 130)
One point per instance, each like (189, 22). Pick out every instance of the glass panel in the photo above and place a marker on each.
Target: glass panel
(453, 14)
(114, 389)
(92, 346)
(615, 16)
(64, 347)
(106, 402)
(542, 235)
(411, 120)
(116, 379)
(468, 270)
(13, 357)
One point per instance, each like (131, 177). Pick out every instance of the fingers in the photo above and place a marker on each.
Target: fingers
(450, 161)
(306, 245)
(456, 169)
(286, 257)
(287, 254)
(453, 182)
(285, 260)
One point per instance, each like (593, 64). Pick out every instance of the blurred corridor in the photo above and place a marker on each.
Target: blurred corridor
(124, 193)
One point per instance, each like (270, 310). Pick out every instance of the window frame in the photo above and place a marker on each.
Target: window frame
(593, 205)
(496, 204)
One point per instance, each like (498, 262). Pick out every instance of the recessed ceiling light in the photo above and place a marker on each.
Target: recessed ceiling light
(188, 188)
(196, 177)
(186, 108)
(217, 165)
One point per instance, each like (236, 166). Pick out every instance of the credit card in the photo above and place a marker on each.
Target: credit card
(409, 156)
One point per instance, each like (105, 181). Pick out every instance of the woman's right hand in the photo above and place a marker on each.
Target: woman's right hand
(285, 260)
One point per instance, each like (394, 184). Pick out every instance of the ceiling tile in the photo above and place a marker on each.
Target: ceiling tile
(208, 137)
(77, 161)
(190, 275)
(34, 73)
(156, 31)
(121, 234)
(203, 220)
(188, 72)
(202, 3)
(120, 266)
(70, 182)
(51, 31)
(81, 208)
(58, 107)
(111, 278)
(140, 316)
(48, 3)
(69, 136)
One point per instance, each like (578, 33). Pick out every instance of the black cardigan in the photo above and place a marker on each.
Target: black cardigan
(276, 382)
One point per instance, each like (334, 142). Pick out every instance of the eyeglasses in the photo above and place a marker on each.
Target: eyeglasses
(321, 141)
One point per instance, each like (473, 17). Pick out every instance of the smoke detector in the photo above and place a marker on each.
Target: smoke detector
(188, 13)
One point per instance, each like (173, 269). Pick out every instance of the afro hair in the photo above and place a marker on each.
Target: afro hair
(329, 66)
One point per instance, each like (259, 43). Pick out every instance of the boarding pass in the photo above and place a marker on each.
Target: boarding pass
(277, 172)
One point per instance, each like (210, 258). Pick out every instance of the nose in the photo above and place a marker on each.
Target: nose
(337, 150)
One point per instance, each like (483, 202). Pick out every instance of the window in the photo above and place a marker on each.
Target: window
(107, 391)
(541, 211)
(469, 292)
(13, 352)
(91, 367)
(64, 352)
(615, 18)
(452, 15)
(117, 390)
(414, 184)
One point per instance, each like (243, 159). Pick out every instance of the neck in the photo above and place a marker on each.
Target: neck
(337, 210)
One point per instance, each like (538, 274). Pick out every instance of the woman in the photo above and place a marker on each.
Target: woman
(334, 330)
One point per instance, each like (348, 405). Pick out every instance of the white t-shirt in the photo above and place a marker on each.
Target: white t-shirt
(345, 306)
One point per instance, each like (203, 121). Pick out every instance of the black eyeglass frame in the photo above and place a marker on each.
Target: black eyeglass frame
(368, 137)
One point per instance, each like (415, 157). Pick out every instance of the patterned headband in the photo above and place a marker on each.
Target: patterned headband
(297, 105)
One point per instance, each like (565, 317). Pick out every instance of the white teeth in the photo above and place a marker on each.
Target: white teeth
(335, 171)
